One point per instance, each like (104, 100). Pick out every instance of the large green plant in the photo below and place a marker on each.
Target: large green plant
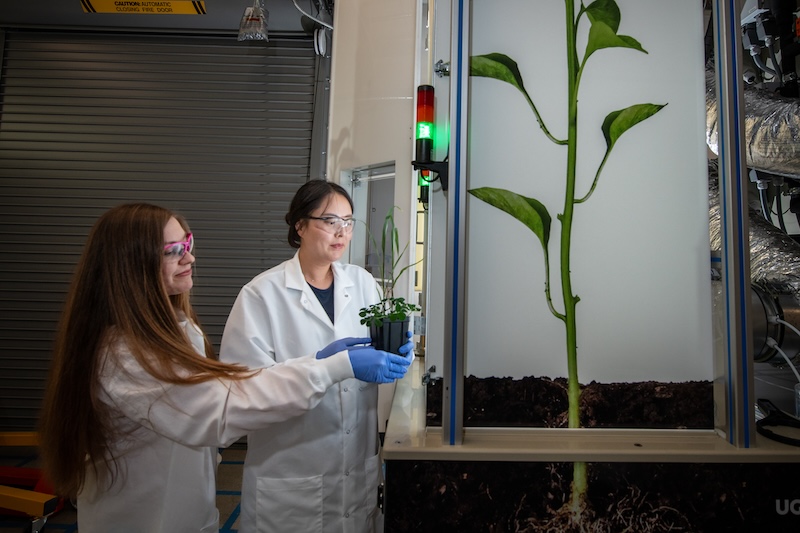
(604, 18)
(389, 308)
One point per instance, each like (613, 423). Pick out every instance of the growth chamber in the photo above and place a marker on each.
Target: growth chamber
(610, 316)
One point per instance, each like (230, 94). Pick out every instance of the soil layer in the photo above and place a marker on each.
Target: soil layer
(542, 402)
(467, 496)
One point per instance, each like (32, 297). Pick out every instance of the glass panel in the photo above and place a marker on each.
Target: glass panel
(588, 258)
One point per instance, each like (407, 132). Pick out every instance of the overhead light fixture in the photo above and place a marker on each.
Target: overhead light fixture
(253, 26)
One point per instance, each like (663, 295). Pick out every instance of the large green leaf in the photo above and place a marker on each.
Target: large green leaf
(601, 35)
(527, 210)
(618, 122)
(499, 67)
(605, 11)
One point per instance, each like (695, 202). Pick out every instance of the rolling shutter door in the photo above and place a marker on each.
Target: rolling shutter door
(217, 130)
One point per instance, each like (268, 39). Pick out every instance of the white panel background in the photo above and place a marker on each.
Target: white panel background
(640, 248)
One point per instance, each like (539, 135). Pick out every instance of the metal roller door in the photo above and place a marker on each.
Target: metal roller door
(210, 127)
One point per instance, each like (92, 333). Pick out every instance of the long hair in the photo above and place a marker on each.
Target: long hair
(307, 199)
(117, 293)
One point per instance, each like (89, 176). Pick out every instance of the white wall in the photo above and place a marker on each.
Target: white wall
(372, 105)
(373, 91)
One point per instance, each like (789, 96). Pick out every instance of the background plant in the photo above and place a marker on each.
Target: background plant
(389, 307)
(603, 17)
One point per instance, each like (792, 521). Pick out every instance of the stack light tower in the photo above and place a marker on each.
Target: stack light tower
(424, 133)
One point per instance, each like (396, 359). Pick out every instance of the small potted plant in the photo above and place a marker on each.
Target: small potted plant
(389, 318)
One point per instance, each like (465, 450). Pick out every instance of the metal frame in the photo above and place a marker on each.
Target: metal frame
(454, 342)
(738, 425)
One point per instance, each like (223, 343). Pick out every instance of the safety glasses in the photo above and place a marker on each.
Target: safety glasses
(176, 250)
(333, 224)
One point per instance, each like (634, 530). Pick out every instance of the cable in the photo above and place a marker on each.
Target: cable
(312, 18)
(762, 196)
(772, 343)
(771, 51)
(773, 415)
(772, 384)
(426, 180)
(777, 320)
(754, 53)
(779, 208)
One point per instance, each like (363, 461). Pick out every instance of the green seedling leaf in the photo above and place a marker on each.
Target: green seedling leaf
(605, 11)
(499, 67)
(527, 210)
(601, 35)
(618, 122)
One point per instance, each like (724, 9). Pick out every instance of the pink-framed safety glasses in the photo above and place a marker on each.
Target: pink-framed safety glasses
(176, 250)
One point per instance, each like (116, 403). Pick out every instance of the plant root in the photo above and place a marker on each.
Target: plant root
(635, 513)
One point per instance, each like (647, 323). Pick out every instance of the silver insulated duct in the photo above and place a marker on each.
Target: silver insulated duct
(772, 129)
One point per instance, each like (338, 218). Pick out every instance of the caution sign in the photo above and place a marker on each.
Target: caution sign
(147, 7)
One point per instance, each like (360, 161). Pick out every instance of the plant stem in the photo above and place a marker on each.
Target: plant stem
(579, 479)
(570, 300)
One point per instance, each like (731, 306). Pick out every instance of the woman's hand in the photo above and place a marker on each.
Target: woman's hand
(376, 366)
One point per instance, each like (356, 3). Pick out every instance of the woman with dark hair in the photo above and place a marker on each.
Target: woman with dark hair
(137, 404)
(318, 472)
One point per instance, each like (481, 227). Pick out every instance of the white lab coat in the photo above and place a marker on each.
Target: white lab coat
(168, 455)
(318, 472)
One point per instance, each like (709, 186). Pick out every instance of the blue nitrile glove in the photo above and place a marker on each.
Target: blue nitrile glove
(377, 366)
(341, 344)
(407, 350)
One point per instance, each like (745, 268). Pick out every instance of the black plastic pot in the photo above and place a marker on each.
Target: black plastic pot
(390, 336)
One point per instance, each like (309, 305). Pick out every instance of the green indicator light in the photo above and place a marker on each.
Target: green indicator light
(424, 130)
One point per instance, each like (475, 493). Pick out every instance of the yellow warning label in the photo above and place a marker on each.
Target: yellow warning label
(147, 7)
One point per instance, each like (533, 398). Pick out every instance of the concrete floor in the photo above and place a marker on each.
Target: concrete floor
(229, 476)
